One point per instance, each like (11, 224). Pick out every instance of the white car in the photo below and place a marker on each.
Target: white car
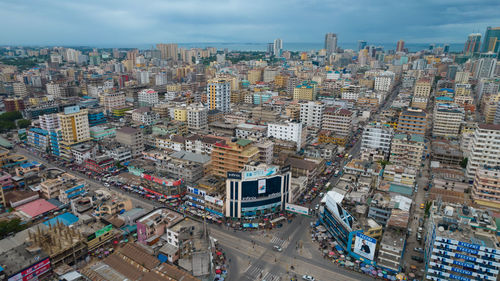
(308, 278)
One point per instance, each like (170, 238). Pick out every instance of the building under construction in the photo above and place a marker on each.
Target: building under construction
(63, 244)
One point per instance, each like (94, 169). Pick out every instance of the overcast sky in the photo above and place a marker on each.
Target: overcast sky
(106, 22)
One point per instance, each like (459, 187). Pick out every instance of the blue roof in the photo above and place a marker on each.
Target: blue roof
(444, 98)
(29, 164)
(39, 131)
(88, 97)
(66, 218)
(401, 189)
(447, 89)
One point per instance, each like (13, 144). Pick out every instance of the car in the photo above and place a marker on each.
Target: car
(308, 278)
(419, 250)
(277, 248)
(419, 237)
(420, 229)
(316, 207)
(422, 206)
(417, 258)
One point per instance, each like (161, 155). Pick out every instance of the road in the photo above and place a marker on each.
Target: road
(91, 183)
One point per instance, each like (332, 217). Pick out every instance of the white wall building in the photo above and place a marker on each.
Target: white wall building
(197, 117)
(311, 114)
(377, 136)
(218, 94)
(484, 148)
(289, 131)
(147, 97)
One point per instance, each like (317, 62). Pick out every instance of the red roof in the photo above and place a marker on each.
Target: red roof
(36, 208)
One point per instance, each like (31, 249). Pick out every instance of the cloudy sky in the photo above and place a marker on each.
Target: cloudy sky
(107, 22)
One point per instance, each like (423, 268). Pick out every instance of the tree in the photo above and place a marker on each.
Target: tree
(23, 123)
(427, 208)
(11, 116)
(384, 163)
(464, 162)
(12, 226)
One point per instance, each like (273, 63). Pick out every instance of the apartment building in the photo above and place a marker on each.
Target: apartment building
(377, 136)
(132, 138)
(218, 94)
(64, 187)
(486, 187)
(407, 150)
(74, 124)
(448, 119)
(289, 131)
(338, 120)
(197, 117)
(148, 97)
(423, 87)
(232, 156)
(304, 91)
(311, 114)
(412, 121)
(111, 101)
(484, 149)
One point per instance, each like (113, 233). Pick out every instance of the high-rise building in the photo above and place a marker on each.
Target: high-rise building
(412, 121)
(460, 243)
(270, 48)
(112, 100)
(377, 136)
(423, 87)
(407, 150)
(13, 104)
(131, 138)
(361, 45)
(219, 94)
(278, 47)
(311, 113)
(74, 124)
(486, 186)
(197, 117)
(491, 41)
(472, 44)
(289, 131)
(484, 149)
(304, 91)
(20, 89)
(338, 120)
(448, 119)
(232, 156)
(484, 68)
(148, 97)
(330, 43)
(168, 51)
(400, 46)
(54, 90)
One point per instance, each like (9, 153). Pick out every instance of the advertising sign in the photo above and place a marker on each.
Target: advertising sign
(285, 169)
(297, 209)
(214, 200)
(33, 271)
(365, 246)
(234, 175)
(262, 186)
(247, 175)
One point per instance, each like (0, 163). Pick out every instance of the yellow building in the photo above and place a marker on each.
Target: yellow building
(254, 75)
(180, 114)
(232, 156)
(463, 89)
(74, 125)
(281, 81)
(303, 56)
(304, 91)
(423, 87)
(174, 87)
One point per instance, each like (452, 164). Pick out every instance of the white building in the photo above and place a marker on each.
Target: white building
(197, 117)
(378, 137)
(161, 79)
(147, 97)
(289, 131)
(218, 94)
(49, 122)
(485, 68)
(383, 82)
(448, 119)
(484, 148)
(311, 114)
(145, 116)
(112, 100)
(143, 77)
(19, 89)
(54, 90)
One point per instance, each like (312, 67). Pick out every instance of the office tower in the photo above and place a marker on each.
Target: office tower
(448, 118)
(168, 51)
(311, 113)
(472, 44)
(412, 121)
(491, 41)
(400, 46)
(484, 68)
(232, 156)
(361, 45)
(278, 47)
(330, 43)
(270, 48)
(446, 48)
(218, 94)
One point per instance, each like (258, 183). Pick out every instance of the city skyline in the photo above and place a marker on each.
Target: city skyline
(97, 23)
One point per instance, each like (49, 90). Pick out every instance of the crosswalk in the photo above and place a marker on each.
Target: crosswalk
(271, 277)
(254, 272)
(278, 241)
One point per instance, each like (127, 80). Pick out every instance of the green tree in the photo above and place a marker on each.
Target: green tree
(427, 208)
(11, 116)
(23, 123)
(11, 226)
(464, 162)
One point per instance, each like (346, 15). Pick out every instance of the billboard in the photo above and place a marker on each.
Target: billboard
(297, 209)
(33, 271)
(365, 246)
(248, 175)
(234, 175)
(262, 186)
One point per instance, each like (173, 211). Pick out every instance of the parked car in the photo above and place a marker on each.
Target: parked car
(417, 258)
(308, 278)
(419, 250)
(277, 248)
